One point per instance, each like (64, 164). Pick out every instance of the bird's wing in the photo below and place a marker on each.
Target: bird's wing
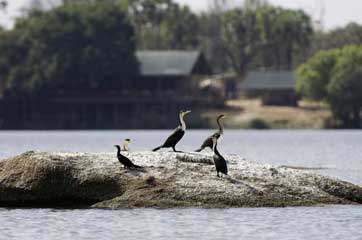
(126, 161)
(208, 141)
(220, 164)
(174, 137)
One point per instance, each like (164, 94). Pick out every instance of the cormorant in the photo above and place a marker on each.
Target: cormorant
(219, 160)
(208, 141)
(125, 147)
(124, 160)
(177, 134)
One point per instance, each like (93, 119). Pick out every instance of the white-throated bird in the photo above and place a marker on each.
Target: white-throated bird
(125, 147)
(177, 134)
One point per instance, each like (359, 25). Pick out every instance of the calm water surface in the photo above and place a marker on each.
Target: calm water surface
(340, 152)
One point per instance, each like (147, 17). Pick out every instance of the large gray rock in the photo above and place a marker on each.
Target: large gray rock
(168, 180)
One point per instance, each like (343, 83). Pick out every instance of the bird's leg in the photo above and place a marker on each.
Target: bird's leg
(178, 151)
(174, 149)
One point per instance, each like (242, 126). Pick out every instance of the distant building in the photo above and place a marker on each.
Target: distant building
(174, 71)
(229, 82)
(168, 82)
(274, 87)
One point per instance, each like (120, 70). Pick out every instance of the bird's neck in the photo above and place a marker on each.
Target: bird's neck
(118, 151)
(182, 122)
(221, 126)
(215, 149)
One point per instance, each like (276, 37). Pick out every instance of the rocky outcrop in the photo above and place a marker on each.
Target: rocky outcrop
(168, 180)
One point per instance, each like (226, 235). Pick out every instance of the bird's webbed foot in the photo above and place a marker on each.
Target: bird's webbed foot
(176, 151)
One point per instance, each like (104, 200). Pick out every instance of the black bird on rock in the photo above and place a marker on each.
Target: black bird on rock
(125, 161)
(208, 141)
(219, 160)
(177, 134)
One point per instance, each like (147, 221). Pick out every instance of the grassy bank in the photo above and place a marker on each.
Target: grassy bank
(251, 114)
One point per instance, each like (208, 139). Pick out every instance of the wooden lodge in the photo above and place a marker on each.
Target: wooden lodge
(171, 71)
(274, 87)
(168, 82)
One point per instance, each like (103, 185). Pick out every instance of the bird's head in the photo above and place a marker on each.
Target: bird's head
(184, 113)
(127, 141)
(221, 116)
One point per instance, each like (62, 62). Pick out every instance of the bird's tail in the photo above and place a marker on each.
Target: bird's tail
(199, 150)
(156, 149)
(138, 168)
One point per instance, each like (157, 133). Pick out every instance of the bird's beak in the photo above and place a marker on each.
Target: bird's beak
(187, 112)
(225, 116)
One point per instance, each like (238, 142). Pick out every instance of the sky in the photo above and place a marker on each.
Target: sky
(337, 13)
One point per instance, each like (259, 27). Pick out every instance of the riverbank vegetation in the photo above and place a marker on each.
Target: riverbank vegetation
(62, 45)
(83, 43)
(252, 114)
(335, 76)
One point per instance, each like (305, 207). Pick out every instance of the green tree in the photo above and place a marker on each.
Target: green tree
(241, 38)
(179, 28)
(211, 40)
(284, 35)
(345, 88)
(261, 35)
(314, 75)
(162, 24)
(80, 46)
(337, 38)
(336, 77)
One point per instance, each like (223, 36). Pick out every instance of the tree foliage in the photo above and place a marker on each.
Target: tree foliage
(336, 77)
(241, 38)
(82, 46)
(163, 24)
(337, 38)
(212, 42)
(284, 35)
(265, 36)
(254, 35)
(345, 87)
(315, 74)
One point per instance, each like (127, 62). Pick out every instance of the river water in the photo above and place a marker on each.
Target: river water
(338, 153)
